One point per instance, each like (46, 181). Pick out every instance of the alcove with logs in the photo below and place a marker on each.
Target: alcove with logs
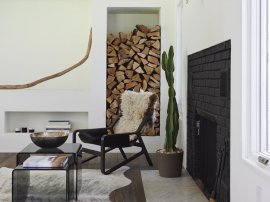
(133, 63)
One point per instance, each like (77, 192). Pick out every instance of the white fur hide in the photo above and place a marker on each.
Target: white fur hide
(133, 107)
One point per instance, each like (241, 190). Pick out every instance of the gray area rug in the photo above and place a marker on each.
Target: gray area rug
(95, 185)
(180, 189)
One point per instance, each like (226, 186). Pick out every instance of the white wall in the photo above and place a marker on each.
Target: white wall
(39, 38)
(118, 21)
(42, 37)
(206, 23)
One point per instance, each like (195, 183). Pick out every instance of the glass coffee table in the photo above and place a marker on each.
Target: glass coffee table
(21, 175)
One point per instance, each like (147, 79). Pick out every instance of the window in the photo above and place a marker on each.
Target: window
(256, 82)
(268, 75)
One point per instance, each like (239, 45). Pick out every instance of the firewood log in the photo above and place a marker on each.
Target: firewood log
(149, 42)
(144, 61)
(110, 99)
(127, 81)
(140, 46)
(113, 60)
(129, 73)
(120, 78)
(152, 34)
(131, 53)
(139, 70)
(129, 43)
(136, 39)
(154, 54)
(153, 84)
(112, 53)
(155, 37)
(109, 49)
(114, 104)
(136, 57)
(156, 76)
(115, 47)
(110, 38)
(110, 79)
(152, 65)
(157, 70)
(153, 79)
(145, 51)
(142, 28)
(123, 37)
(135, 49)
(135, 65)
(124, 46)
(119, 73)
(137, 77)
(141, 55)
(142, 41)
(111, 65)
(111, 85)
(123, 61)
(155, 51)
(148, 69)
(120, 86)
(130, 64)
(145, 85)
(129, 35)
(155, 28)
(131, 85)
(116, 41)
(156, 45)
(122, 68)
(137, 88)
(111, 71)
(153, 60)
(146, 77)
(141, 34)
(115, 91)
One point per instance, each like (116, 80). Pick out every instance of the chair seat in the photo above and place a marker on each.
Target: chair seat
(94, 136)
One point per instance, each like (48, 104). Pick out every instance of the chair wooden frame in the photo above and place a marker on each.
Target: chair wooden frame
(114, 141)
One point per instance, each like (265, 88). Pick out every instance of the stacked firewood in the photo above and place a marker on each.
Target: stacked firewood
(133, 63)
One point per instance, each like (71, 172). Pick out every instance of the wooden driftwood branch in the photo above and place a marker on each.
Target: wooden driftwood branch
(58, 74)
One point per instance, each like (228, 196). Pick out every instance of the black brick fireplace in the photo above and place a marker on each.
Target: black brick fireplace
(208, 123)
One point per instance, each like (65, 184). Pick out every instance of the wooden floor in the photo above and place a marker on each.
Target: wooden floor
(132, 193)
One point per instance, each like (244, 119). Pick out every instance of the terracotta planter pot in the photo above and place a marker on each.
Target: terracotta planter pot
(170, 165)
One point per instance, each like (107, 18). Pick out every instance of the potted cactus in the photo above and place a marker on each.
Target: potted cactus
(170, 158)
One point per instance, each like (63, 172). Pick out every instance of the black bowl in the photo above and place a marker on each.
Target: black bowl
(49, 139)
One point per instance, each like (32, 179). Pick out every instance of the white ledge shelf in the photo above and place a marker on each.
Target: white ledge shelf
(39, 119)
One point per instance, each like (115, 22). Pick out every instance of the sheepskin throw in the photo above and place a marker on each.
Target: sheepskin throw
(134, 106)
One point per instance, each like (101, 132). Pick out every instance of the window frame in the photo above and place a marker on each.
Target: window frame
(254, 83)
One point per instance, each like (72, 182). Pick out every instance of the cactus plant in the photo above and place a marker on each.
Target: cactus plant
(172, 122)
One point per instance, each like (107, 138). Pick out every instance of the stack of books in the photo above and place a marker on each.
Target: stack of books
(38, 161)
(58, 126)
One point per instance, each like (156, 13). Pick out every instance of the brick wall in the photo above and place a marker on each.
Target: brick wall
(209, 92)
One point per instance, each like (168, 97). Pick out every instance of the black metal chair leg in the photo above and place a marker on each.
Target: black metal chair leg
(144, 150)
(102, 158)
(122, 152)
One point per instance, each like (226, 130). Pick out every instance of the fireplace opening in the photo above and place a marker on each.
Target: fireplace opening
(206, 128)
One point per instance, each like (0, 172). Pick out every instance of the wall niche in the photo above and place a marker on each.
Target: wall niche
(133, 57)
